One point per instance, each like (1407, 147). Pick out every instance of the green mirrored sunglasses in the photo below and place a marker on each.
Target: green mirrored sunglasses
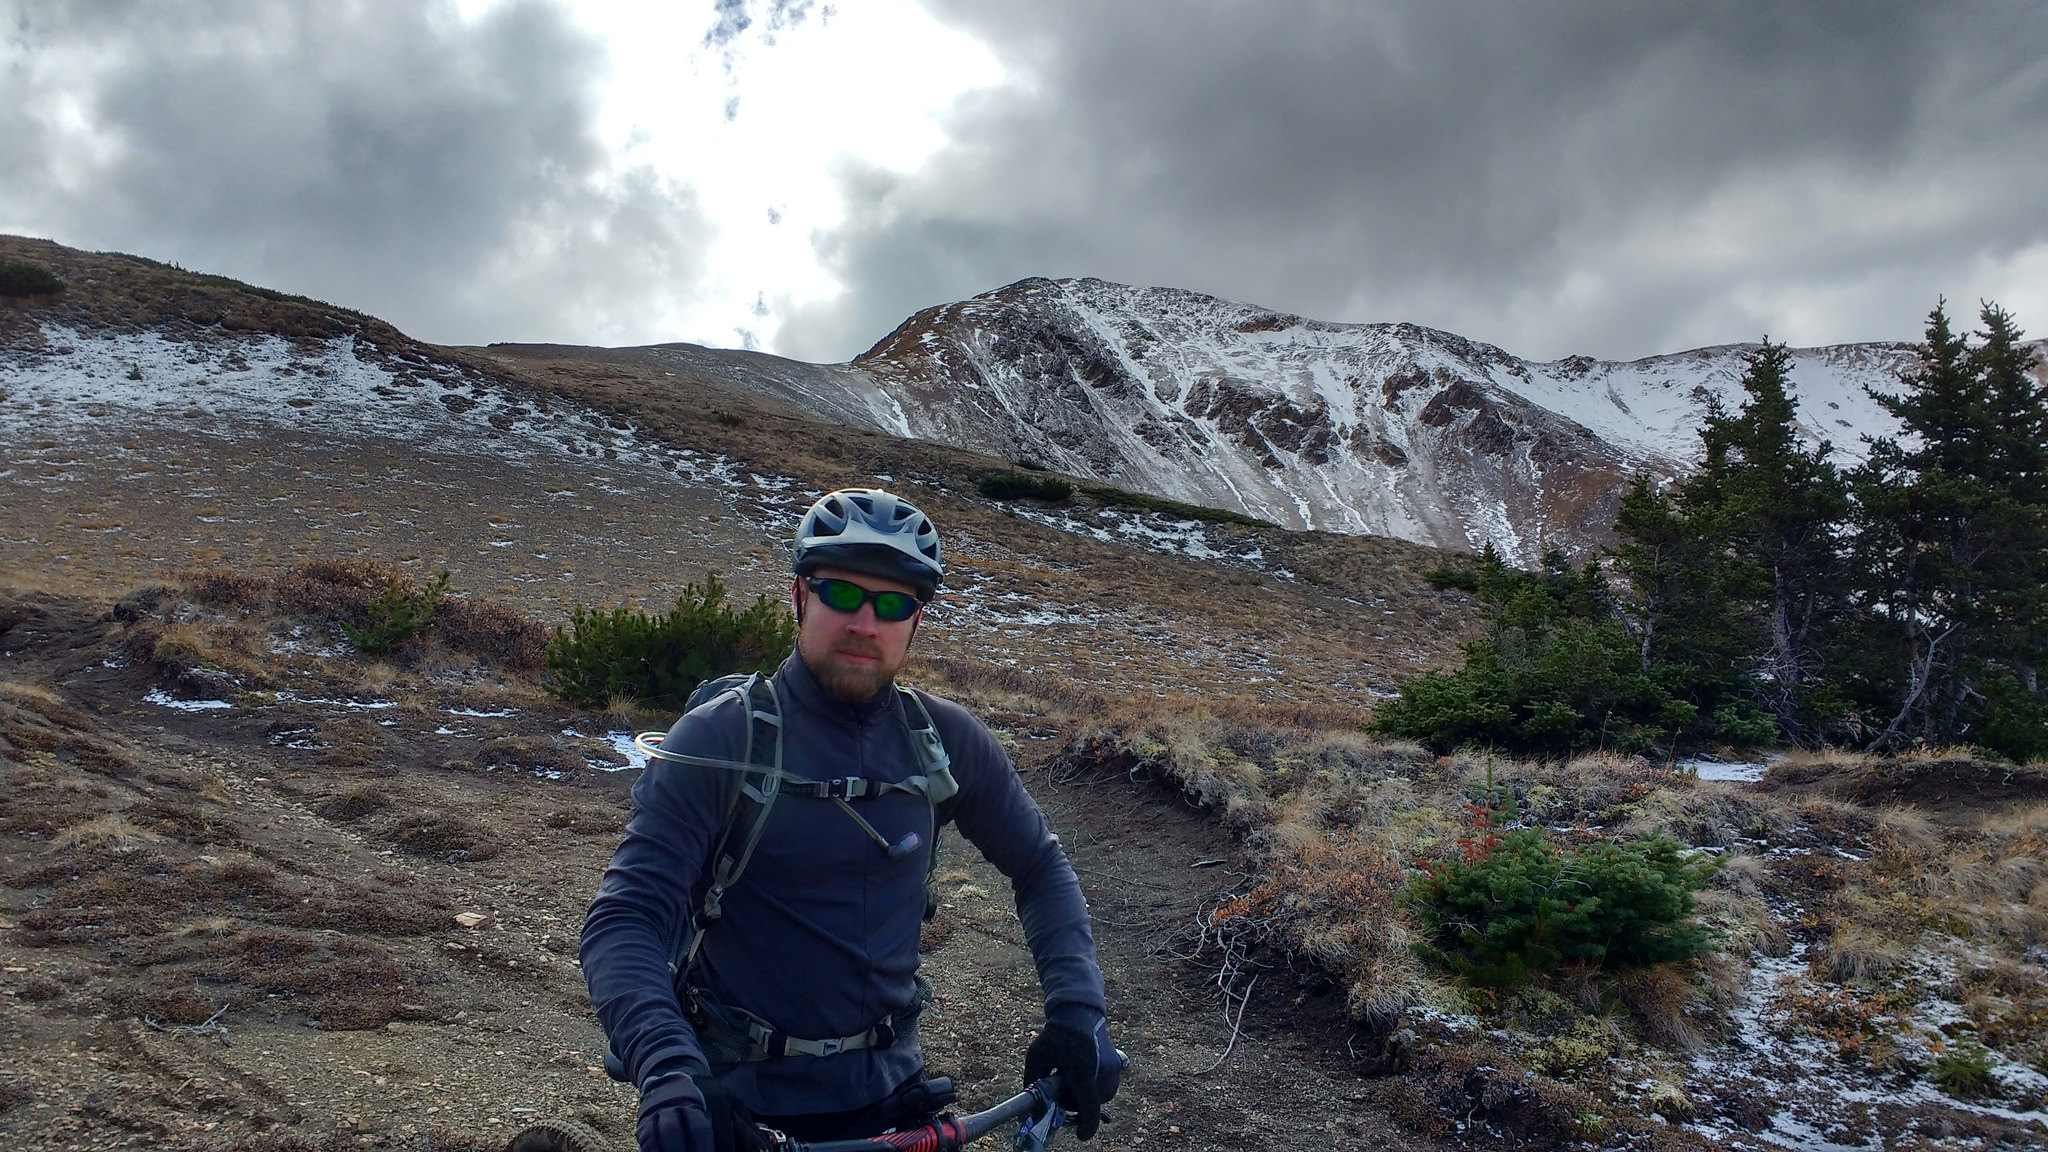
(846, 596)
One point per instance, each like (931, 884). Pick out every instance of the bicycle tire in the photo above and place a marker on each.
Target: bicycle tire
(553, 1135)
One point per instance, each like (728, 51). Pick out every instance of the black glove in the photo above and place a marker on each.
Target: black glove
(1069, 1051)
(681, 1113)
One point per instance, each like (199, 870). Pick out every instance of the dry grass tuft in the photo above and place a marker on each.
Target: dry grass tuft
(46, 703)
(355, 803)
(344, 983)
(1334, 905)
(206, 658)
(113, 832)
(1858, 952)
(584, 821)
(1002, 687)
(435, 833)
(176, 1004)
(1660, 1001)
(1902, 830)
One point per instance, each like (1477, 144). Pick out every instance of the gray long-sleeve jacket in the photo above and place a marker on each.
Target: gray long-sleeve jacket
(819, 936)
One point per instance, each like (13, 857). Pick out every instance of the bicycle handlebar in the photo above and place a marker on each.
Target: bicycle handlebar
(950, 1133)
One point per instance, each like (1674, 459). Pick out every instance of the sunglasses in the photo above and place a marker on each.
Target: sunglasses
(846, 596)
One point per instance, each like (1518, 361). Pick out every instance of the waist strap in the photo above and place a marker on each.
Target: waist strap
(736, 1036)
(765, 1043)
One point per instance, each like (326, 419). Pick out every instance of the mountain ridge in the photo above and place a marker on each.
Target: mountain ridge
(1392, 429)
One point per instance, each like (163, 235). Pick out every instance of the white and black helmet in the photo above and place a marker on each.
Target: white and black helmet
(872, 531)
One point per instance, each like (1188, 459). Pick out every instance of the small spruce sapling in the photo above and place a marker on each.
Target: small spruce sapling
(396, 616)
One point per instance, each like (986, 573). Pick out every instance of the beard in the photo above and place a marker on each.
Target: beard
(844, 680)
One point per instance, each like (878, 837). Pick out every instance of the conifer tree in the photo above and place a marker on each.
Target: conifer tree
(1781, 506)
(1952, 543)
(1739, 569)
(1674, 602)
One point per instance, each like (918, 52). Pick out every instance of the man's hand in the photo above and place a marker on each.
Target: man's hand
(1062, 1048)
(680, 1113)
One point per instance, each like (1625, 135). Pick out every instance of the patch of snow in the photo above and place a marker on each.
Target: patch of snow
(160, 697)
(1708, 768)
(622, 743)
(475, 712)
(1809, 1076)
(288, 697)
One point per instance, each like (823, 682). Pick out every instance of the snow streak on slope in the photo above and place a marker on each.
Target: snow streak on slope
(81, 387)
(101, 384)
(1390, 429)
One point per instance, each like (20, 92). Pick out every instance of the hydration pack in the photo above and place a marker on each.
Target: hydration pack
(763, 782)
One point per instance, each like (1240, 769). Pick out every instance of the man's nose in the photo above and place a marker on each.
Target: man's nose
(863, 620)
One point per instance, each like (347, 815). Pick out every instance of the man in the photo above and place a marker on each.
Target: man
(796, 1006)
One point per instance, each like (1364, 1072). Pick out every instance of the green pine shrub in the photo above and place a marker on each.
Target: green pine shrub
(1555, 675)
(1109, 497)
(658, 660)
(1021, 486)
(20, 278)
(396, 615)
(1964, 1071)
(1514, 905)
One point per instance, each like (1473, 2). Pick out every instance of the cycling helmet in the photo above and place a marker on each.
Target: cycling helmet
(872, 531)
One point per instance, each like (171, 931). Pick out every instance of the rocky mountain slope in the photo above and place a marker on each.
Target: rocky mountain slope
(1389, 429)
(1384, 429)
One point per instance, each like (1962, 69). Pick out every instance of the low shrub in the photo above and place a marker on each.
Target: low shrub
(1513, 905)
(397, 615)
(492, 632)
(1555, 674)
(329, 590)
(1021, 486)
(1119, 498)
(1964, 1071)
(226, 588)
(19, 278)
(658, 660)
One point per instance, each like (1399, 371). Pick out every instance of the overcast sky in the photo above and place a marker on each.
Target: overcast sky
(1611, 178)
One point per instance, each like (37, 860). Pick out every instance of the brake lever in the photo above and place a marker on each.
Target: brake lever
(1035, 1132)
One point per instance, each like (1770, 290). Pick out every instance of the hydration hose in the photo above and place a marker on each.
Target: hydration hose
(650, 744)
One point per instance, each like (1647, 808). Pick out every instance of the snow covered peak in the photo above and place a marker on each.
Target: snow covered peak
(1394, 429)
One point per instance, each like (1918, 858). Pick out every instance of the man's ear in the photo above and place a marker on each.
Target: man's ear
(796, 598)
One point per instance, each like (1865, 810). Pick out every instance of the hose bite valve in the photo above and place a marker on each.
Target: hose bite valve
(904, 847)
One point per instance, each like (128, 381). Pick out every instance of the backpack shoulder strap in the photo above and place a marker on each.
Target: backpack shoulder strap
(936, 780)
(746, 812)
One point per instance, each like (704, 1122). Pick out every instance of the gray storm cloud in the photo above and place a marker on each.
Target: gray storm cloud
(381, 153)
(1619, 179)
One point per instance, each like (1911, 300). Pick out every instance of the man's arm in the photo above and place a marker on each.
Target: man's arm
(642, 910)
